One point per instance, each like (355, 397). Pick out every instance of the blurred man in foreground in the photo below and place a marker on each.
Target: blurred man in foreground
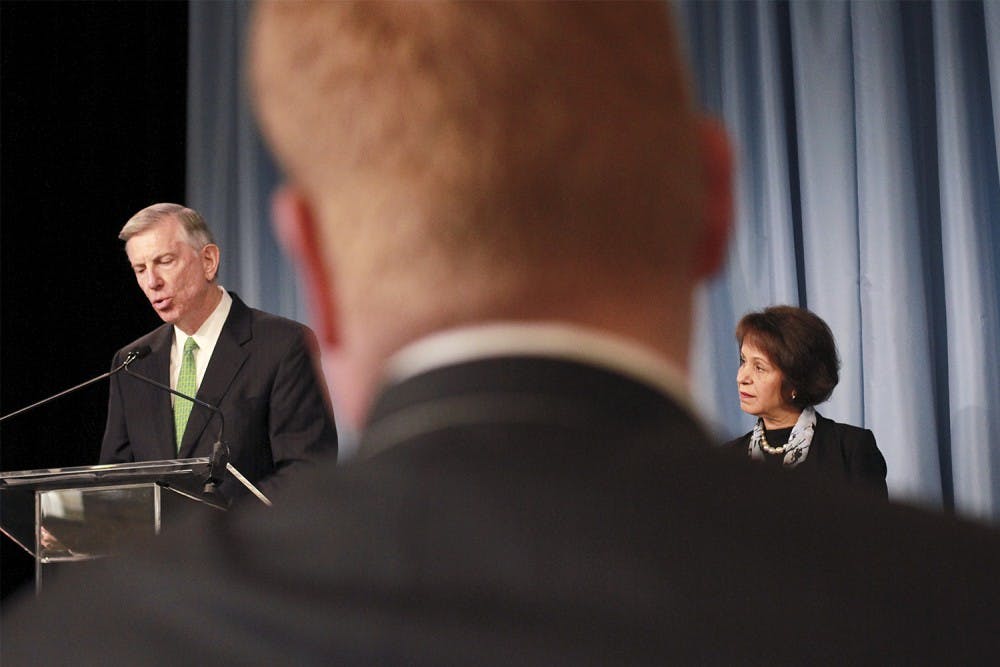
(501, 212)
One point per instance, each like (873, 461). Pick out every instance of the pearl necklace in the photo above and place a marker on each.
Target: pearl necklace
(768, 448)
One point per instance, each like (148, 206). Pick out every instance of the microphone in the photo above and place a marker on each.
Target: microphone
(130, 356)
(137, 353)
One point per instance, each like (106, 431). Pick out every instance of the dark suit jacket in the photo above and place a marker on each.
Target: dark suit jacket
(527, 511)
(261, 376)
(839, 451)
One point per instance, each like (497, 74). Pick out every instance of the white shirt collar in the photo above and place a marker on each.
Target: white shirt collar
(548, 339)
(206, 337)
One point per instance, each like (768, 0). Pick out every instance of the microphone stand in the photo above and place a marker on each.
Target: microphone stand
(194, 400)
(132, 356)
(220, 450)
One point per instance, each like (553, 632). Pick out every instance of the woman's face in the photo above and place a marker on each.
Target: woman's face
(760, 382)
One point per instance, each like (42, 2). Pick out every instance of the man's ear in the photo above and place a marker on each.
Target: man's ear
(297, 228)
(717, 215)
(210, 260)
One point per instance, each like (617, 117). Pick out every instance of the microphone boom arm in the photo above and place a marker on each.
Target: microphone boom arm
(196, 401)
(220, 452)
(124, 365)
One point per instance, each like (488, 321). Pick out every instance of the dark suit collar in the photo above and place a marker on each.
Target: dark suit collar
(238, 324)
(237, 327)
(515, 390)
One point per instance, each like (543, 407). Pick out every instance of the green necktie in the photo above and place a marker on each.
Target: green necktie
(187, 383)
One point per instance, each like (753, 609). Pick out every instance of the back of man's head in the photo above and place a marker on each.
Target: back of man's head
(484, 151)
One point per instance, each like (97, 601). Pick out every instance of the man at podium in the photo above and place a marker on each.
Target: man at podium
(256, 368)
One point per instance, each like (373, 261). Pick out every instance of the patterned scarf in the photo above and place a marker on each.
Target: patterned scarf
(797, 448)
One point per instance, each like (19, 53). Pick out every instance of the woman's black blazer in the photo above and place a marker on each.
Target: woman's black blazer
(840, 451)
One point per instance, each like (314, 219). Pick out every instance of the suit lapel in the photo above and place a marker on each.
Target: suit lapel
(161, 409)
(227, 359)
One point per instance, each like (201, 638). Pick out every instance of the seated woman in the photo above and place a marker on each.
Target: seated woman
(788, 364)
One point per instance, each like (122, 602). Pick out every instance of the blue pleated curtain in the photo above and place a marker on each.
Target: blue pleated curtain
(866, 136)
(866, 139)
(230, 174)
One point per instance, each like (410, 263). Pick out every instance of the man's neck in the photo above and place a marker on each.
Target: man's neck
(656, 319)
(212, 298)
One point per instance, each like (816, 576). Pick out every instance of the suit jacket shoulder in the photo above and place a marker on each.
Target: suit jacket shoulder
(852, 452)
(245, 322)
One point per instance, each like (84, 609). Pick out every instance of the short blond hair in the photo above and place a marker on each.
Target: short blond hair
(479, 151)
(197, 231)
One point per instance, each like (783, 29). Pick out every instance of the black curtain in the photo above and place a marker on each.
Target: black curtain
(92, 128)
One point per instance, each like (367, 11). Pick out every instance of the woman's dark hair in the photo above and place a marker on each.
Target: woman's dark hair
(800, 344)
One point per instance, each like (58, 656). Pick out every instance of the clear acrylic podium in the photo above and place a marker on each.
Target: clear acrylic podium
(63, 515)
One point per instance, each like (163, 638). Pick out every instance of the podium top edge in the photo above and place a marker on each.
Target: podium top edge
(107, 469)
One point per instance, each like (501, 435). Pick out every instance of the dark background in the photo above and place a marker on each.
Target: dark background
(92, 128)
